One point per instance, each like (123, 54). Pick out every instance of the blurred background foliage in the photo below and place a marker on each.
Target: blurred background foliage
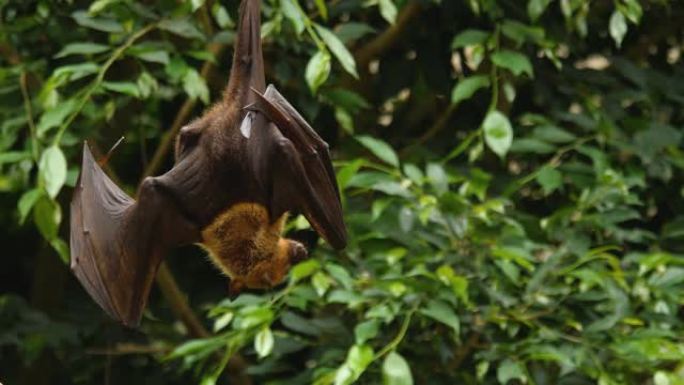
(511, 175)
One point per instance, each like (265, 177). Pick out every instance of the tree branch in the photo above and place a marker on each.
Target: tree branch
(387, 39)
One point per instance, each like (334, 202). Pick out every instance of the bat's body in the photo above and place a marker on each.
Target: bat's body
(240, 168)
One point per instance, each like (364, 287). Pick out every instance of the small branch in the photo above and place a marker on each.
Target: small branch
(179, 305)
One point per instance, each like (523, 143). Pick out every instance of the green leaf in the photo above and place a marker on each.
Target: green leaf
(338, 49)
(317, 70)
(221, 16)
(147, 85)
(532, 145)
(552, 134)
(351, 31)
(27, 201)
(196, 349)
(380, 149)
(54, 117)
(252, 316)
(224, 320)
(196, 4)
(521, 33)
(345, 120)
(322, 8)
(469, 37)
(344, 375)
(61, 248)
(263, 342)
(441, 312)
(513, 61)
(81, 49)
(366, 330)
(437, 177)
(181, 27)
(76, 71)
(304, 269)
(14, 156)
(617, 27)
(388, 10)
(510, 370)
(550, 179)
(396, 371)
(414, 173)
(467, 87)
(53, 170)
(153, 56)
(535, 8)
(100, 5)
(101, 24)
(358, 358)
(406, 219)
(349, 100)
(126, 88)
(498, 132)
(321, 283)
(195, 86)
(290, 9)
(47, 216)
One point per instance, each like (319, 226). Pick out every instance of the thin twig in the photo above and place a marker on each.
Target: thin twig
(100, 77)
(29, 114)
(127, 348)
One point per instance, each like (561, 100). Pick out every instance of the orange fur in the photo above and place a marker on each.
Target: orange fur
(247, 247)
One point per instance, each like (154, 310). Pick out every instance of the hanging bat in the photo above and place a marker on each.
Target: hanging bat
(240, 168)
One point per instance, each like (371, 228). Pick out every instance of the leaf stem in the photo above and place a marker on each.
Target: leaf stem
(399, 337)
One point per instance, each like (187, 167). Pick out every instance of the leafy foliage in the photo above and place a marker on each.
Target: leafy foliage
(511, 175)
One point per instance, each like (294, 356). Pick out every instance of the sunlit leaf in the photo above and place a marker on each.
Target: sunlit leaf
(380, 149)
(53, 170)
(338, 49)
(263, 342)
(317, 70)
(467, 87)
(498, 132)
(396, 371)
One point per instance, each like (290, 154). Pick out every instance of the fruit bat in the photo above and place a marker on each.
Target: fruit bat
(240, 168)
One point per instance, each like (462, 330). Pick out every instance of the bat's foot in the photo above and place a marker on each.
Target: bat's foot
(297, 252)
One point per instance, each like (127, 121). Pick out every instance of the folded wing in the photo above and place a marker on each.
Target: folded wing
(117, 243)
(300, 168)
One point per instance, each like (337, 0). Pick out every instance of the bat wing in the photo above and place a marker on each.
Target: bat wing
(117, 243)
(299, 167)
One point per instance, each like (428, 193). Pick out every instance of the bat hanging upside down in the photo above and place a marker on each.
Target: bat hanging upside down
(240, 168)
